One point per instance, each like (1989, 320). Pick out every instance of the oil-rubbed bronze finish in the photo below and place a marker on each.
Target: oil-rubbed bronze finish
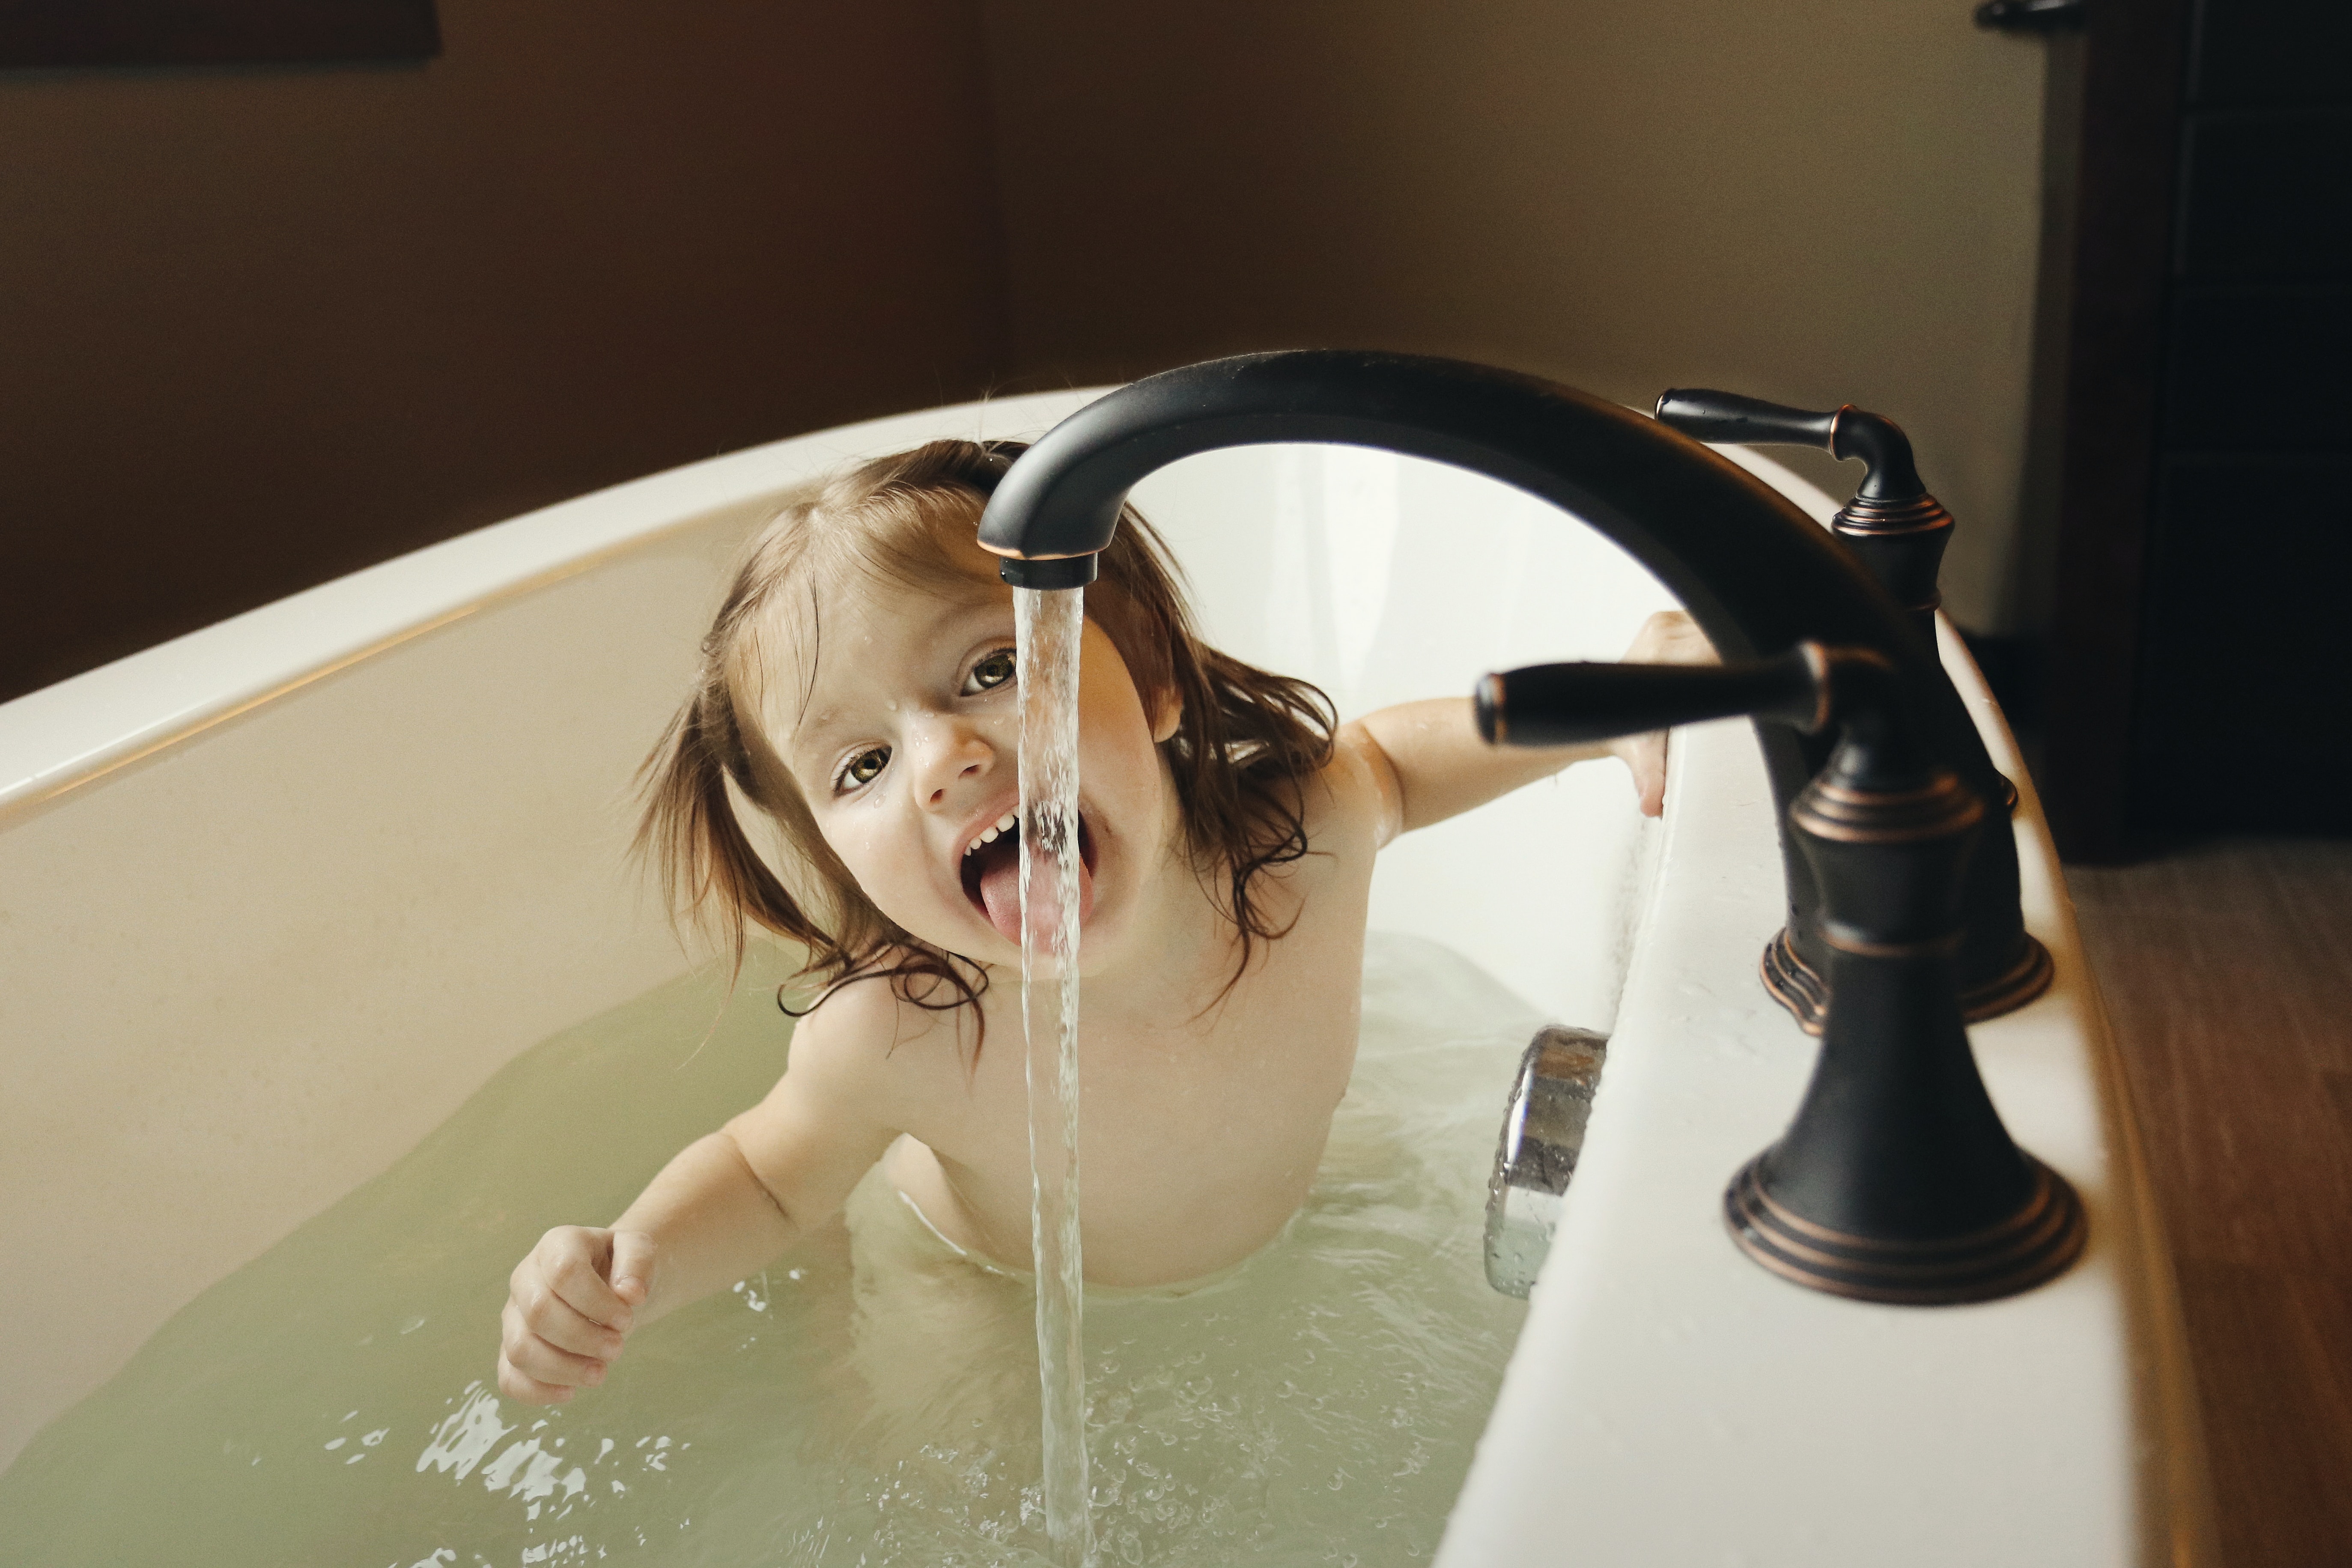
(1896, 1140)
(1848, 815)
(1570, 704)
(2035, 1244)
(1909, 518)
(1862, 947)
(1897, 1181)
(1799, 987)
(2027, 977)
(1757, 575)
(1837, 812)
(1896, 532)
(1896, 529)
(1794, 984)
(1902, 542)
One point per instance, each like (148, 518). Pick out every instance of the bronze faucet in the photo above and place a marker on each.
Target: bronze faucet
(1897, 1182)
(1898, 532)
(1760, 579)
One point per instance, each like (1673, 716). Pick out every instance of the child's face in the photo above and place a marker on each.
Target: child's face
(906, 751)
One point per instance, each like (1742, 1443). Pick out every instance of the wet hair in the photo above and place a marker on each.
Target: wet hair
(1245, 744)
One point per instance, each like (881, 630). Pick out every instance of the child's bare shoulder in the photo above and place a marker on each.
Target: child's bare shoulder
(871, 1026)
(1358, 794)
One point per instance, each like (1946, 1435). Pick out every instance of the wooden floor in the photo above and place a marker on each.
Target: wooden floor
(2228, 974)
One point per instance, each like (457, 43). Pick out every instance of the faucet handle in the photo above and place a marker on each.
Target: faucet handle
(1896, 529)
(1845, 431)
(1808, 688)
(1728, 417)
(1570, 704)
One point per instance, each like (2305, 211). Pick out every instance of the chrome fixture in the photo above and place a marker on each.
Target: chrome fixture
(1543, 1133)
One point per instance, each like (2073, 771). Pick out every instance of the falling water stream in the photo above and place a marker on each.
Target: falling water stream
(1047, 626)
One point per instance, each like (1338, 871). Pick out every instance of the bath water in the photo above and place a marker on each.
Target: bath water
(1047, 626)
(331, 1402)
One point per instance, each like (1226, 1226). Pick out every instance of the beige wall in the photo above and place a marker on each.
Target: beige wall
(261, 327)
(1814, 201)
(265, 326)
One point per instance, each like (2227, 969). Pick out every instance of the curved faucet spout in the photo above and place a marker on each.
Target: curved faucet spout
(1754, 570)
(1757, 575)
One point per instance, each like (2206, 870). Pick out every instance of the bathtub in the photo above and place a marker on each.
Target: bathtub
(280, 895)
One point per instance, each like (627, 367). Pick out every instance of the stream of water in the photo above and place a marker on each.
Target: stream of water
(1047, 626)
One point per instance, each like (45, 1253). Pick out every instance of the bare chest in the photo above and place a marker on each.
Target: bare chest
(1200, 1127)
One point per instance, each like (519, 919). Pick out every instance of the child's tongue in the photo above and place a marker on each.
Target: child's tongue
(1000, 888)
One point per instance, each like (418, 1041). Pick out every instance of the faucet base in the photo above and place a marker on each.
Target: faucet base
(2035, 1244)
(1805, 993)
(1794, 984)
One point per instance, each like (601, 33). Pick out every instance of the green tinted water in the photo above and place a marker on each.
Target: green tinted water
(329, 1404)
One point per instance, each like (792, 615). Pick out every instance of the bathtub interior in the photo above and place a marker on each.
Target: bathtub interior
(1386, 579)
(262, 947)
(281, 897)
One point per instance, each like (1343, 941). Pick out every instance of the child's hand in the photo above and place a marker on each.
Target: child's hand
(570, 1305)
(1669, 636)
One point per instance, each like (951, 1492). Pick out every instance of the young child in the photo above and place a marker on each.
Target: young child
(857, 691)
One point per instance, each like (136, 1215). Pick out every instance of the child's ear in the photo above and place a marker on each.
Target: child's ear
(1166, 713)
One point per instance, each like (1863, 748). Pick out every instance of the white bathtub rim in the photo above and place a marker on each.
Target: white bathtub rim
(2179, 1523)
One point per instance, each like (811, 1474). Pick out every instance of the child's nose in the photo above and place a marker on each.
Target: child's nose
(954, 753)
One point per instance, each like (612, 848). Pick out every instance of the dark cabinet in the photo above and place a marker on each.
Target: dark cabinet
(2201, 678)
(2244, 711)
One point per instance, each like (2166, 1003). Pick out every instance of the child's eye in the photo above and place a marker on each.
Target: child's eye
(990, 673)
(864, 768)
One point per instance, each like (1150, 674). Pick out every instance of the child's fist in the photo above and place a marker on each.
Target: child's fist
(570, 1305)
(1669, 636)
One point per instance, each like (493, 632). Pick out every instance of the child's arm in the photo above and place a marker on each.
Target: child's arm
(1429, 763)
(722, 1209)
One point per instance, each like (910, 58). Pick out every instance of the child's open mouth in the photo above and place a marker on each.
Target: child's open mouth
(991, 880)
